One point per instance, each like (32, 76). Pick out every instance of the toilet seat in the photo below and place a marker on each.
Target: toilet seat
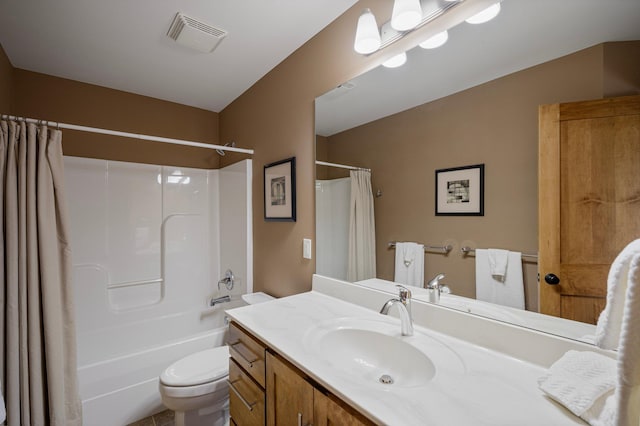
(200, 368)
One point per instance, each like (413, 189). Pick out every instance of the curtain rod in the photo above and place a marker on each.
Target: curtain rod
(126, 134)
(340, 166)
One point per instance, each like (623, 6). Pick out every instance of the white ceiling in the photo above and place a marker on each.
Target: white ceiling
(525, 33)
(122, 44)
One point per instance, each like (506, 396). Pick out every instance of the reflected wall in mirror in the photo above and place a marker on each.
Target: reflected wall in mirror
(475, 100)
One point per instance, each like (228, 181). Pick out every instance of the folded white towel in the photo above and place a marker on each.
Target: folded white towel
(508, 291)
(409, 265)
(498, 260)
(580, 379)
(610, 320)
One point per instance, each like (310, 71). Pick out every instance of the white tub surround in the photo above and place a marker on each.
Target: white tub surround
(461, 383)
(149, 246)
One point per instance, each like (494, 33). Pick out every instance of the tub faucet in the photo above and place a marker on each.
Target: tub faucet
(228, 280)
(404, 306)
(217, 300)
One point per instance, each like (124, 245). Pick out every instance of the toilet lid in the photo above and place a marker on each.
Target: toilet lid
(196, 369)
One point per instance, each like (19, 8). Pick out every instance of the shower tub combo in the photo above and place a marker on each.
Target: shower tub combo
(148, 247)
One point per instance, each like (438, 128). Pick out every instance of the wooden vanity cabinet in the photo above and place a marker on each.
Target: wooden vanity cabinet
(265, 389)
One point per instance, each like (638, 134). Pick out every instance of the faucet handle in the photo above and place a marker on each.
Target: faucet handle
(403, 293)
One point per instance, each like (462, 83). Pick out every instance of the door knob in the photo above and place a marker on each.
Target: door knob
(552, 279)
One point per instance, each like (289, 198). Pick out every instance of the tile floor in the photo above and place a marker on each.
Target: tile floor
(164, 418)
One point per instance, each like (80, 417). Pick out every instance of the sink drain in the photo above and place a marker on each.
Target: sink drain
(386, 379)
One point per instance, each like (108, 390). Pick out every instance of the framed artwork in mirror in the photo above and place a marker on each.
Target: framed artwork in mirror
(280, 191)
(460, 191)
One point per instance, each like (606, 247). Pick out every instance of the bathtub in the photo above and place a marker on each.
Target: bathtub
(119, 390)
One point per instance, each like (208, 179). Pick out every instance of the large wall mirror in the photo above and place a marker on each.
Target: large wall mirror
(473, 100)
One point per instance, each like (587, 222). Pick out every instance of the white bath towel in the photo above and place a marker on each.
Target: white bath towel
(507, 292)
(610, 320)
(498, 261)
(3, 411)
(580, 379)
(628, 389)
(409, 266)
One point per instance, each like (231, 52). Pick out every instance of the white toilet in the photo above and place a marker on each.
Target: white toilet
(195, 387)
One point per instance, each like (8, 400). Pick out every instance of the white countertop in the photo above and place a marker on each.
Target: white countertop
(474, 385)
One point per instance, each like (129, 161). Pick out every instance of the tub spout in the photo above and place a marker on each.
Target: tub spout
(217, 300)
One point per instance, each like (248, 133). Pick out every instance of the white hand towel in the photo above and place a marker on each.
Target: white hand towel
(498, 260)
(610, 320)
(580, 379)
(507, 292)
(409, 265)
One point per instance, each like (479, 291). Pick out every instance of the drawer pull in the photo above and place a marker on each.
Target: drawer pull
(300, 421)
(239, 395)
(248, 361)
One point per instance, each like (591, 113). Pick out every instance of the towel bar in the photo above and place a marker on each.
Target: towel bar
(445, 249)
(468, 250)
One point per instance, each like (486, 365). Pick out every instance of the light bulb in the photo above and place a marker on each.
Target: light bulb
(396, 61)
(435, 41)
(407, 14)
(486, 15)
(367, 34)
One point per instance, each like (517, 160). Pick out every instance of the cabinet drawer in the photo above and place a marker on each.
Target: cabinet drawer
(247, 352)
(246, 398)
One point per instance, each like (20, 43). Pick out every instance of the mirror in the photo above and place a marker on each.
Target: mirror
(472, 101)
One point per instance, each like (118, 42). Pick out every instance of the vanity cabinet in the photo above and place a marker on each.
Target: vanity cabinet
(267, 390)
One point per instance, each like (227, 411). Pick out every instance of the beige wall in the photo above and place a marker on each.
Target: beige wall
(276, 118)
(621, 68)
(6, 82)
(57, 99)
(495, 124)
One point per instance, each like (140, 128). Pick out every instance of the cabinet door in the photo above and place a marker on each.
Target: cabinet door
(328, 412)
(289, 396)
(588, 200)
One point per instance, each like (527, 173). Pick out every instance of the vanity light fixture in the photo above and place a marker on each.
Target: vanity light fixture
(396, 61)
(486, 15)
(435, 41)
(406, 14)
(367, 34)
(411, 15)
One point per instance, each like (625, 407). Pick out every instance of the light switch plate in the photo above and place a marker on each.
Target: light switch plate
(306, 248)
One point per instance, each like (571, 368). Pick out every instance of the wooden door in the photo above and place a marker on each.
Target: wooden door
(289, 396)
(588, 200)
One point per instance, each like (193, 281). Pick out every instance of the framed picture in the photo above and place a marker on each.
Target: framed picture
(280, 191)
(460, 191)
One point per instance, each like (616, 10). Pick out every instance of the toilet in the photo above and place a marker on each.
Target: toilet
(196, 388)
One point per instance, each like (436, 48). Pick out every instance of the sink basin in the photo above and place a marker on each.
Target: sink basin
(376, 357)
(373, 353)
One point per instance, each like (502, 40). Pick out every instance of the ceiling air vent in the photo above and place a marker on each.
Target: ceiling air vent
(195, 34)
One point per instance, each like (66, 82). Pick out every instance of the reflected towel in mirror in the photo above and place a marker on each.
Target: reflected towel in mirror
(409, 264)
(508, 291)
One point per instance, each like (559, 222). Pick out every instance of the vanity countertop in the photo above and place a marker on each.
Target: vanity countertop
(471, 385)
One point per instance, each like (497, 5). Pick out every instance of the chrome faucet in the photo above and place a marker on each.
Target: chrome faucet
(228, 280)
(404, 307)
(435, 288)
(217, 300)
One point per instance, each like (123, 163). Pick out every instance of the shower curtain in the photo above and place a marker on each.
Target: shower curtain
(362, 229)
(39, 375)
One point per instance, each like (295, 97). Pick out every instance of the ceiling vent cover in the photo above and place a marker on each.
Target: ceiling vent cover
(195, 34)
